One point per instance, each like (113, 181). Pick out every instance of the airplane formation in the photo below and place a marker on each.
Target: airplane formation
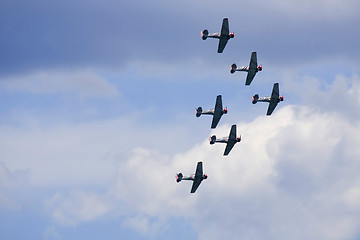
(218, 111)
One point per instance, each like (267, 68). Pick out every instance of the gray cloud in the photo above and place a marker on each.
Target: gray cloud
(77, 34)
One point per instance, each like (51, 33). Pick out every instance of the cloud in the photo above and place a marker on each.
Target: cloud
(83, 84)
(340, 95)
(142, 177)
(79, 34)
(320, 9)
(294, 175)
(77, 206)
(146, 226)
(51, 233)
(11, 181)
(55, 155)
(285, 180)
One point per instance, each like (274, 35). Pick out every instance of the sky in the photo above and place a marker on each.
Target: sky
(97, 117)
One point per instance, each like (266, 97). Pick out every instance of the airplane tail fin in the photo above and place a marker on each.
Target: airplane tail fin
(179, 177)
(212, 139)
(255, 98)
(204, 34)
(233, 68)
(198, 111)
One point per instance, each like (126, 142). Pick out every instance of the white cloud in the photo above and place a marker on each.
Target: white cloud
(291, 177)
(80, 154)
(5, 200)
(294, 174)
(51, 233)
(77, 207)
(286, 180)
(144, 225)
(10, 181)
(83, 84)
(142, 179)
(338, 96)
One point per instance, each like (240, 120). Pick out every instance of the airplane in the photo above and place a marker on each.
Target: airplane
(252, 69)
(230, 140)
(224, 35)
(273, 100)
(217, 112)
(197, 177)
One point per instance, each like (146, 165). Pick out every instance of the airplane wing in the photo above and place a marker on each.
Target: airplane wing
(228, 148)
(253, 61)
(231, 141)
(225, 27)
(250, 77)
(224, 35)
(222, 43)
(252, 68)
(274, 99)
(199, 170)
(195, 185)
(232, 135)
(198, 177)
(217, 113)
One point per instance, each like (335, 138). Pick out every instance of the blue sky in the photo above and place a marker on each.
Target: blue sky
(97, 116)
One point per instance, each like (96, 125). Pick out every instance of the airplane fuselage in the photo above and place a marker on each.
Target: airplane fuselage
(222, 140)
(192, 177)
(268, 99)
(244, 68)
(212, 111)
(218, 35)
(214, 35)
(226, 140)
(264, 99)
(209, 112)
(247, 69)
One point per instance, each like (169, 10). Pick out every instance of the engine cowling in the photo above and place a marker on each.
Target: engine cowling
(179, 177)
(204, 34)
(259, 68)
(233, 68)
(238, 139)
(198, 111)
(205, 176)
(255, 98)
(232, 35)
(281, 98)
(225, 111)
(212, 139)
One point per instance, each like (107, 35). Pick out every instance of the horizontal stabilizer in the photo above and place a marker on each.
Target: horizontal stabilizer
(179, 177)
(212, 139)
(204, 34)
(255, 98)
(233, 68)
(198, 111)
